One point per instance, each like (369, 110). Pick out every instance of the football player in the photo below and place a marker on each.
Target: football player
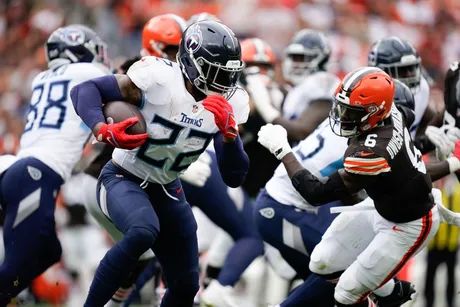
(309, 101)
(51, 145)
(399, 59)
(281, 212)
(260, 61)
(442, 137)
(160, 37)
(186, 108)
(378, 243)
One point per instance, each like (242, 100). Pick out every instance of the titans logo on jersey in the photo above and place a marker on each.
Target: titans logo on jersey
(179, 127)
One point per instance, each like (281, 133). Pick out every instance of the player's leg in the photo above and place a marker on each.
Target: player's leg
(28, 191)
(348, 235)
(295, 232)
(434, 259)
(177, 246)
(82, 188)
(451, 262)
(231, 210)
(217, 253)
(388, 252)
(128, 206)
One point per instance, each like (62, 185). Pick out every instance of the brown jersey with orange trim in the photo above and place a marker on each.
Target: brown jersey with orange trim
(402, 189)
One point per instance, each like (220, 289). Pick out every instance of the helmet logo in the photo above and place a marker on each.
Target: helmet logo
(194, 39)
(72, 37)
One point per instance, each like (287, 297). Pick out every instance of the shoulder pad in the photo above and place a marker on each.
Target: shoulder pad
(240, 104)
(150, 71)
(408, 115)
(320, 85)
(86, 70)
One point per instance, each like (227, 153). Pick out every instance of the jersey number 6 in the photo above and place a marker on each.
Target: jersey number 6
(182, 161)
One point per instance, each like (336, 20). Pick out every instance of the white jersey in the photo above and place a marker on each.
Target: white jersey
(421, 100)
(54, 133)
(321, 153)
(320, 85)
(179, 127)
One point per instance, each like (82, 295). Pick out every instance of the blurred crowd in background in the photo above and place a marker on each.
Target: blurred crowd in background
(350, 25)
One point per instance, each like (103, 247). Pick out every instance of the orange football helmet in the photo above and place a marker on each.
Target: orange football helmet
(256, 52)
(161, 36)
(362, 100)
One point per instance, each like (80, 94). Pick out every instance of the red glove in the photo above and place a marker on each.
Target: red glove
(223, 115)
(456, 152)
(115, 135)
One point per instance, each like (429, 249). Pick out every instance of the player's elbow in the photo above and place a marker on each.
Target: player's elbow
(81, 92)
(309, 188)
(234, 179)
(234, 173)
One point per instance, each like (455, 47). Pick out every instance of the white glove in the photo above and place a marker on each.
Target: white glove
(274, 138)
(452, 132)
(261, 97)
(199, 171)
(444, 145)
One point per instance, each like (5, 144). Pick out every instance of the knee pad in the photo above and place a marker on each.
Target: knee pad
(137, 240)
(350, 291)
(320, 267)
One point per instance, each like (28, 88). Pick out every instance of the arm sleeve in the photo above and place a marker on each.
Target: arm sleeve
(88, 97)
(232, 159)
(319, 193)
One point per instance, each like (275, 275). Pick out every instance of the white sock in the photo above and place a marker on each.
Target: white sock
(386, 289)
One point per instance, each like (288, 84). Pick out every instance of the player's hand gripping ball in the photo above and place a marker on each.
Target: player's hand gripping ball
(223, 115)
(125, 127)
(274, 138)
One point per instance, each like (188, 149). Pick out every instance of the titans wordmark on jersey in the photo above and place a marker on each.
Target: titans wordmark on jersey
(54, 133)
(321, 153)
(179, 127)
(320, 85)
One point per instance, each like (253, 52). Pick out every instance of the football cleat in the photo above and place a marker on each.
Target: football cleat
(403, 292)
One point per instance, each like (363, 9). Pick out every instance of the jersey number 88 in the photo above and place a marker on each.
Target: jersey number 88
(56, 97)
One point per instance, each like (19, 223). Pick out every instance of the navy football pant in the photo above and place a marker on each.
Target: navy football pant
(232, 215)
(295, 233)
(28, 191)
(156, 217)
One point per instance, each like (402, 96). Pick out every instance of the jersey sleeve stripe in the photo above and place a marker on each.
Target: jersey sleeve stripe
(364, 163)
(368, 170)
(357, 159)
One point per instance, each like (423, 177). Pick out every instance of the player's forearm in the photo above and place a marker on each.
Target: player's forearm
(88, 98)
(232, 159)
(438, 170)
(292, 165)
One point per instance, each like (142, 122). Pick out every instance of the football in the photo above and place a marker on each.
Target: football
(120, 110)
